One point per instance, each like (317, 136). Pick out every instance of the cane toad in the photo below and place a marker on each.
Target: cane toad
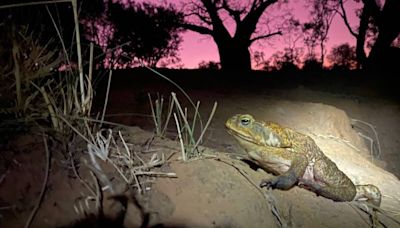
(295, 159)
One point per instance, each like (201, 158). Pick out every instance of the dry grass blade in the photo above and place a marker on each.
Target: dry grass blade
(78, 50)
(177, 86)
(157, 111)
(59, 36)
(32, 4)
(154, 115)
(167, 119)
(186, 130)
(205, 127)
(50, 107)
(130, 166)
(196, 110)
(106, 99)
(180, 138)
(100, 146)
(183, 115)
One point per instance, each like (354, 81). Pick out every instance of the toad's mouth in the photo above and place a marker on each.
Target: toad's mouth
(237, 135)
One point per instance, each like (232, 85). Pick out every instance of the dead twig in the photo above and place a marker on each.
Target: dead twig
(3, 176)
(36, 208)
(375, 133)
(129, 155)
(371, 144)
(372, 211)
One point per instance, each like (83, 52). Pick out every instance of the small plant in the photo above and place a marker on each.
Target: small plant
(39, 96)
(185, 128)
(157, 110)
(186, 131)
(28, 61)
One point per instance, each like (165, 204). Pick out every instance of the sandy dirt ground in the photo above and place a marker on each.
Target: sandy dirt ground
(218, 190)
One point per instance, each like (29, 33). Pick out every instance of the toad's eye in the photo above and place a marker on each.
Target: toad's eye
(245, 121)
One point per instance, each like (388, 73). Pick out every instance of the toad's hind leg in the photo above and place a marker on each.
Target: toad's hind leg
(370, 192)
(333, 183)
(373, 196)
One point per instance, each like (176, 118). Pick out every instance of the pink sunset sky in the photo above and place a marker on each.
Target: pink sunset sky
(196, 48)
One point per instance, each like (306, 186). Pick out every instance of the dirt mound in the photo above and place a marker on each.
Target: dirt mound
(221, 191)
(214, 193)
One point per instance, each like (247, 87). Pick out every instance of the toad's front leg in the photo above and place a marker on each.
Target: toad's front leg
(289, 178)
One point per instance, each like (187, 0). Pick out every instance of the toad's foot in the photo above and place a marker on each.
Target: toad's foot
(280, 182)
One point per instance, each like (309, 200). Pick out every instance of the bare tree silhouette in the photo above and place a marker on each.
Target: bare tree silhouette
(380, 23)
(207, 17)
(316, 30)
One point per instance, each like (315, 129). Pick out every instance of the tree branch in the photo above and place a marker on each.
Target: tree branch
(254, 5)
(202, 18)
(234, 13)
(265, 36)
(196, 10)
(197, 28)
(346, 21)
(212, 10)
(373, 8)
(258, 9)
(217, 25)
(250, 21)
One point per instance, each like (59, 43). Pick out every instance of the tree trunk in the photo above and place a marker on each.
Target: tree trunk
(234, 56)
(362, 31)
(381, 55)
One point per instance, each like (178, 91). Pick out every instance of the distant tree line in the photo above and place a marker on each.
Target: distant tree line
(133, 33)
(378, 31)
(125, 35)
(142, 33)
(340, 57)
